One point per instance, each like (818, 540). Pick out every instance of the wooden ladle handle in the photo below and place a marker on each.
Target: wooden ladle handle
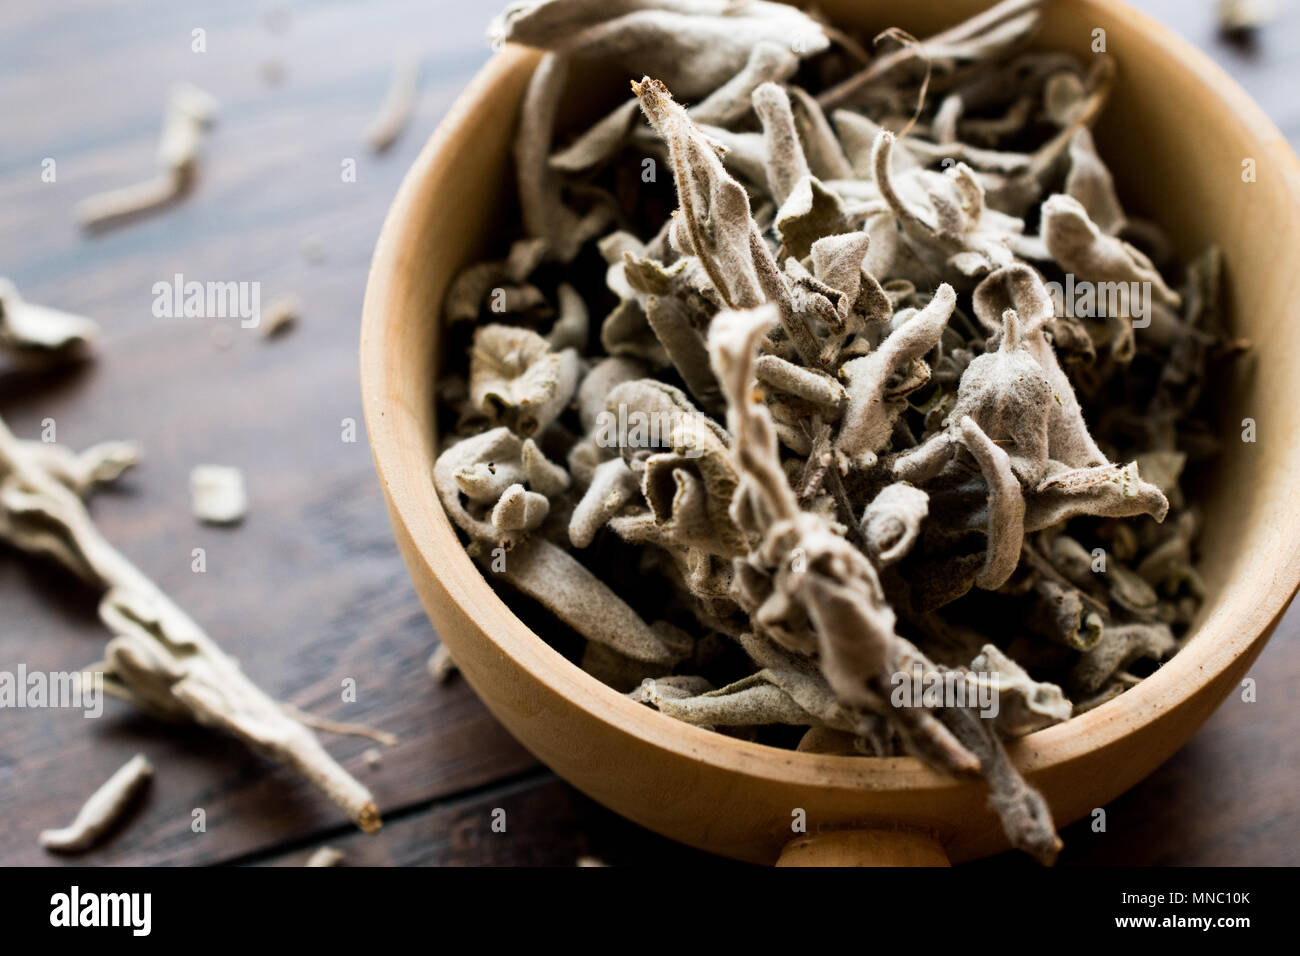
(864, 848)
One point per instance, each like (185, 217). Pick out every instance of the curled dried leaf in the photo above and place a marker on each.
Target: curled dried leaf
(875, 401)
(516, 379)
(1081, 247)
(749, 702)
(188, 112)
(1107, 491)
(892, 521)
(480, 468)
(1061, 614)
(612, 486)
(1024, 704)
(519, 511)
(1006, 507)
(1090, 182)
(811, 385)
(399, 103)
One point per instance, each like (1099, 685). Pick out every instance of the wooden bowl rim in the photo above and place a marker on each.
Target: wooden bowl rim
(1217, 643)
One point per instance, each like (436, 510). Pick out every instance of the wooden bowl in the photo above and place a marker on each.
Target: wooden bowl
(1177, 132)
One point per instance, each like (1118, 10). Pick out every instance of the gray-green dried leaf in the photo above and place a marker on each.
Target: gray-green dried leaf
(695, 47)
(875, 398)
(1119, 647)
(159, 658)
(516, 379)
(550, 575)
(1024, 704)
(892, 521)
(34, 329)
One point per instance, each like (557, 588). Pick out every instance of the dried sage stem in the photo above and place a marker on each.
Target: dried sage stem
(189, 110)
(346, 728)
(325, 856)
(399, 103)
(104, 808)
(158, 657)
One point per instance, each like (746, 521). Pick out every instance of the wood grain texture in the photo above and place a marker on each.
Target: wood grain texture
(546, 823)
(310, 589)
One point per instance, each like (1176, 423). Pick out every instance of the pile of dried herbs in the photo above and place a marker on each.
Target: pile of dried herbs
(836, 420)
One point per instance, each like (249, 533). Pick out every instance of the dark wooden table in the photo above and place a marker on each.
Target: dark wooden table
(310, 589)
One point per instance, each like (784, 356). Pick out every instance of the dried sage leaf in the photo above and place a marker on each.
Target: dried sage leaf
(31, 329)
(398, 105)
(217, 494)
(550, 575)
(104, 808)
(695, 46)
(517, 379)
(188, 112)
(159, 658)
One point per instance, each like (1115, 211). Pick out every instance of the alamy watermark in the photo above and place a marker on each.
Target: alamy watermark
(633, 428)
(74, 690)
(920, 688)
(1092, 300)
(208, 300)
(133, 911)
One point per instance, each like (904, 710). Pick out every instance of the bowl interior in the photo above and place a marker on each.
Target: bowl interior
(1180, 166)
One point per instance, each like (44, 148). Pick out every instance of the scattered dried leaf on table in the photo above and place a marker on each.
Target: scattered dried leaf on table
(188, 112)
(399, 103)
(104, 808)
(158, 658)
(217, 494)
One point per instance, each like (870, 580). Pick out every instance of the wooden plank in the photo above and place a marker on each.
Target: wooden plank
(310, 589)
(546, 823)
